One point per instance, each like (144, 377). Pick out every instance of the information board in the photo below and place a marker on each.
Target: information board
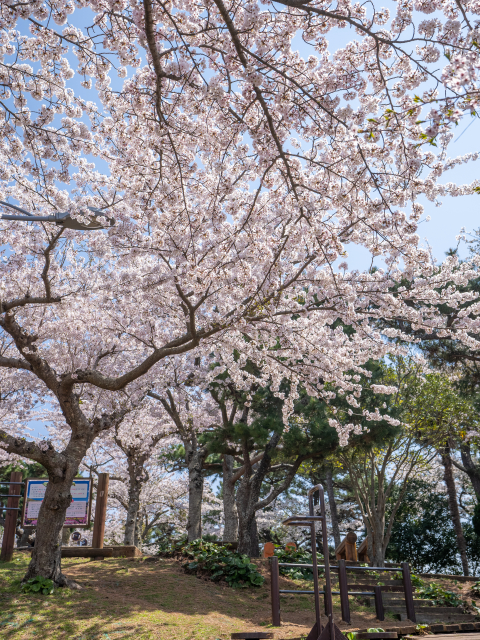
(78, 513)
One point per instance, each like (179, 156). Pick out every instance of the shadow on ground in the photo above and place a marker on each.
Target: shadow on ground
(125, 598)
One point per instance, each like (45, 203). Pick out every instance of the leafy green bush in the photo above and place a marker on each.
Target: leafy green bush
(416, 580)
(217, 562)
(439, 596)
(295, 555)
(38, 585)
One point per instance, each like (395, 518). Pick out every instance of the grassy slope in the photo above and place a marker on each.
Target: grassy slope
(142, 600)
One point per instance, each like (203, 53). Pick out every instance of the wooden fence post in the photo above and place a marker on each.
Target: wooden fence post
(343, 587)
(100, 511)
(14, 492)
(407, 587)
(379, 612)
(275, 590)
(351, 546)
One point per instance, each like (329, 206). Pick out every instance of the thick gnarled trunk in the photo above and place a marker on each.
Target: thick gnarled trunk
(248, 494)
(47, 552)
(229, 506)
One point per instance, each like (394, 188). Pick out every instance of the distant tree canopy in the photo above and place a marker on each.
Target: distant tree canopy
(423, 533)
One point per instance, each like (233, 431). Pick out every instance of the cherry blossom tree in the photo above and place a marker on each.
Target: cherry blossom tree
(161, 500)
(140, 436)
(192, 414)
(236, 171)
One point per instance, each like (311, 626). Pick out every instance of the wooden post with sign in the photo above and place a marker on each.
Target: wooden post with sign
(14, 492)
(100, 511)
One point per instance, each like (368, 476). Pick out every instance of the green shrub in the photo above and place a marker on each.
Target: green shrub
(295, 555)
(216, 562)
(38, 585)
(439, 596)
(415, 580)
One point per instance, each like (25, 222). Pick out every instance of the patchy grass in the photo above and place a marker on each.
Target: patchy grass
(134, 599)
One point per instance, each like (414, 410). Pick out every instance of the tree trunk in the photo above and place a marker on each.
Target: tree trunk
(47, 552)
(25, 540)
(66, 536)
(194, 458)
(378, 532)
(247, 497)
(132, 511)
(247, 523)
(138, 531)
(229, 506)
(454, 510)
(473, 470)
(333, 507)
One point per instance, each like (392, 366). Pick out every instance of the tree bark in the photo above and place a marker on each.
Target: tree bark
(472, 469)
(194, 457)
(132, 511)
(47, 552)
(229, 507)
(378, 532)
(24, 539)
(138, 538)
(454, 510)
(333, 507)
(247, 524)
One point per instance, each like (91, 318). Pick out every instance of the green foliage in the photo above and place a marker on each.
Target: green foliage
(351, 635)
(295, 555)
(416, 580)
(38, 584)
(440, 597)
(422, 532)
(476, 589)
(217, 562)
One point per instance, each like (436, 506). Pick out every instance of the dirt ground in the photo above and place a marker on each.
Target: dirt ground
(143, 600)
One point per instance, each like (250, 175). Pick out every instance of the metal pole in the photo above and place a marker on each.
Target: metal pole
(343, 586)
(407, 587)
(275, 590)
(11, 517)
(379, 603)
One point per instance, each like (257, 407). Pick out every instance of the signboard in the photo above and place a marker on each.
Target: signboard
(78, 513)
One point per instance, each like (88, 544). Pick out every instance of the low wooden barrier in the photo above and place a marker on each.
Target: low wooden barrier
(345, 589)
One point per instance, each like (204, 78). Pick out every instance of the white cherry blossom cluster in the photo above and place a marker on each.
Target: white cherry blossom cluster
(238, 172)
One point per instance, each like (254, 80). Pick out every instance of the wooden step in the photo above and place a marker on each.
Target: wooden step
(426, 609)
(429, 618)
(367, 587)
